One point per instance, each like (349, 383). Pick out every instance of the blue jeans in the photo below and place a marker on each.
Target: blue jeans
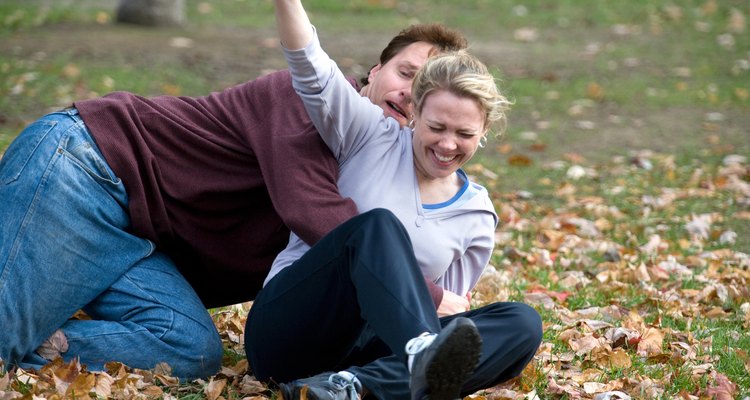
(65, 245)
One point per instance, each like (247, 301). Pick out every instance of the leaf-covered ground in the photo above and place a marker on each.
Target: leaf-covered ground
(636, 259)
(631, 265)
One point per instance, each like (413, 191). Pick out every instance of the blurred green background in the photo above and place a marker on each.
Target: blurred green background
(592, 80)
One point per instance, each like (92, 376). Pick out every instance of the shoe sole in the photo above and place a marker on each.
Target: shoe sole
(454, 362)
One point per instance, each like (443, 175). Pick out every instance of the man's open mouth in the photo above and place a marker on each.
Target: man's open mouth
(396, 108)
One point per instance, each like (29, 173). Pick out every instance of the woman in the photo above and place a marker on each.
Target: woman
(356, 299)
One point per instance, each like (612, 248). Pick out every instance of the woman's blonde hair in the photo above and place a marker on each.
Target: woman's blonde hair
(463, 75)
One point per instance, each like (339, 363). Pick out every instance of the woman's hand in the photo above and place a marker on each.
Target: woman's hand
(452, 304)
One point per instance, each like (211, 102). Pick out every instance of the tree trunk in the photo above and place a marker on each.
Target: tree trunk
(151, 12)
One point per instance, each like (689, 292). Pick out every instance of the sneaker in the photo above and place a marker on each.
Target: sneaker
(326, 386)
(440, 364)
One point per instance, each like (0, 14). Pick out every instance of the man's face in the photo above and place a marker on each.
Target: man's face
(390, 83)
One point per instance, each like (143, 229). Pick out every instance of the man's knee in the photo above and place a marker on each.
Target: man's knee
(201, 360)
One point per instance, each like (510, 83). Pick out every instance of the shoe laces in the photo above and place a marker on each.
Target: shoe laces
(417, 344)
(347, 382)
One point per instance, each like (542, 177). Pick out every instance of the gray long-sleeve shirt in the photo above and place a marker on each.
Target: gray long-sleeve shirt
(452, 243)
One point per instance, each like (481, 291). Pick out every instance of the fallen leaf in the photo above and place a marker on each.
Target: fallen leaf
(214, 388)
(519, 160)
(616, 394)
(651, 342)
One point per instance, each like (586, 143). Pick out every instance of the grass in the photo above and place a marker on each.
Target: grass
(648, 96)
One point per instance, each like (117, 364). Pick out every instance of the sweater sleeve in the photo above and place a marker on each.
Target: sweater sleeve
(344, 119)
(464, 273)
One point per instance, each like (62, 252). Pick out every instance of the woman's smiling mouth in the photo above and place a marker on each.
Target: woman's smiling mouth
(444, 159)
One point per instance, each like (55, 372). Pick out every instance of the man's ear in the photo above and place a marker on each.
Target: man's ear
(373, 71)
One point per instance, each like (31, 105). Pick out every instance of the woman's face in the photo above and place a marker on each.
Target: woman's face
(446, 134)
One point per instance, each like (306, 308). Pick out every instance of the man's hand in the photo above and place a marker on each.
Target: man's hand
(452, 304)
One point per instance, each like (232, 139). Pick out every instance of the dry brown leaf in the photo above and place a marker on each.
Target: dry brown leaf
(651, 342)
(641, 273)
(249, 385)
(715, 312)
(620, 359)
(566, 189)
(653, 245)
(587, 344)
(593, 387)
(54, 346)
(595, 91)
(552, 239)
(648, 388)
(620, 336)
(698, 371)
(594, 325)
(501, 394)
(699, 226)
(573, 279)
(71, 71)
(519, 160)
(569, 334)
(10, 395)
(572, 390)
(737, 21)
(152, 391)
(238, 369)
(721, 387)
(612, 395)
(540, 299)
(214, 388)
(64, 374)
(603, 224)
(683, 351)
(103, 386)
(542, 258)
(82, 386)
(658, 273)
(171, 90)
(166, 380)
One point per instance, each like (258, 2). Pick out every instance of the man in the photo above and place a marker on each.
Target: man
(145, 211)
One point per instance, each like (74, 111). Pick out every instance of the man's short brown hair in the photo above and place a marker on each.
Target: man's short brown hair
(442, 38)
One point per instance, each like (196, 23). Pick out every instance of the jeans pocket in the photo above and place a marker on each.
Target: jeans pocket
(19, 153)
(83, 152)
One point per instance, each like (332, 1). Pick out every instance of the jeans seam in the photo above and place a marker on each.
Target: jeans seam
(172, 318)
(50, 126)
(13, 251)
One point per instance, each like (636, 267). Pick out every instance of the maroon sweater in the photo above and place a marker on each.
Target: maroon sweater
(217, 181)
